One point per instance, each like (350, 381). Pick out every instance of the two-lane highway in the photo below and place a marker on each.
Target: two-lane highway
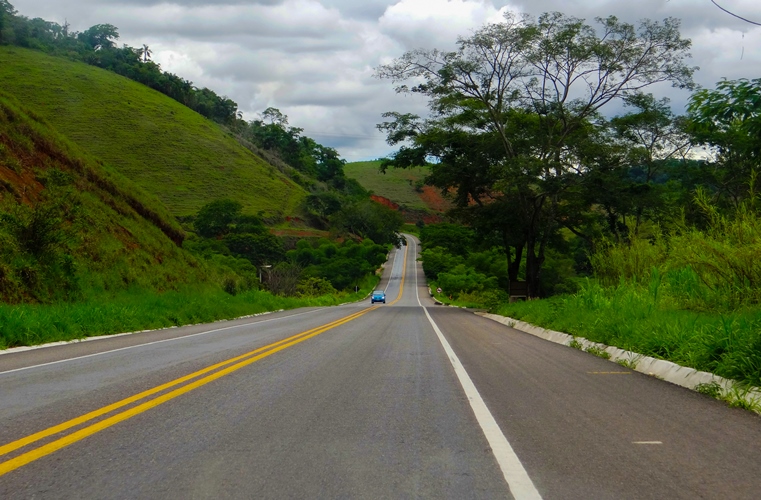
(358, 401)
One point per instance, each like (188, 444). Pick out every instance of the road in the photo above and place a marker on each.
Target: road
(400, 400)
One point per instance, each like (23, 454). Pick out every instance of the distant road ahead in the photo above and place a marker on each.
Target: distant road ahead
(399, 400)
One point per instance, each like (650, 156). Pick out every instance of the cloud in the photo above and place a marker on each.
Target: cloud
(314, 59)
(435, 23)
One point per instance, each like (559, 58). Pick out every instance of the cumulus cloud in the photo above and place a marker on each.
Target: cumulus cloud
(435, 23)
(314, 59)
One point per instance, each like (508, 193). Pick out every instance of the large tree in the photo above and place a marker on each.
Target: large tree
(512, 113)
(727, 119)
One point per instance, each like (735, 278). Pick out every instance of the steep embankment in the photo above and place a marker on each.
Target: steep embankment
(400, 189)
(69, 228)
(170, 151)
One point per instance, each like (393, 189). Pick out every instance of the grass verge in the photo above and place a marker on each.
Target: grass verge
(138, 309)
(631, 318)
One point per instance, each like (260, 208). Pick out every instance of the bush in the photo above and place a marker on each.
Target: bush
(314, 287)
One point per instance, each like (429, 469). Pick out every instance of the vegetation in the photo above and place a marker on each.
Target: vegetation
(85, 252)
(343, 266)
(515, 126)
(70, 228)
(398, 185)
(97, 46)
(133, 310)
(637, 242)
(166, 149)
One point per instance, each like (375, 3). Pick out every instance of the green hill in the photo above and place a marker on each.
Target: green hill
(69, 228)
(401, 186)
(165, 148)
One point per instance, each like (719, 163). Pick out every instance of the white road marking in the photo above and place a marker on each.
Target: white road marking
(155, 342)
(518, 481)
(647, 442)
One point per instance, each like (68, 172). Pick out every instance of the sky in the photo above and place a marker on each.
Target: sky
(314, 60)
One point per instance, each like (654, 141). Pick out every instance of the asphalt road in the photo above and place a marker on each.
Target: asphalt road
(400, 400)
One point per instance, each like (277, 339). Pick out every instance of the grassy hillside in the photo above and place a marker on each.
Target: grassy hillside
(69, 228)
(165, 148)
(401, 186)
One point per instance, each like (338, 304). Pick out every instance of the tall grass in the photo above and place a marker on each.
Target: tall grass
(140, 309)
(646, 320)
(692, 296)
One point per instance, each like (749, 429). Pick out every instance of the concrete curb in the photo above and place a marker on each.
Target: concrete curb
(662, 369)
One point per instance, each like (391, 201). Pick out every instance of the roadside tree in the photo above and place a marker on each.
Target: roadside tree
(513, 108)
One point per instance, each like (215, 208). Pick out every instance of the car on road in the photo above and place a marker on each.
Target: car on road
(378, 296)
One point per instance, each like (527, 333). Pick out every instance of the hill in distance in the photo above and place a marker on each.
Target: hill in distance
(170, 151)
(401, 187)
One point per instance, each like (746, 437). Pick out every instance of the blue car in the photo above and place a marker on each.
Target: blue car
(378, 296)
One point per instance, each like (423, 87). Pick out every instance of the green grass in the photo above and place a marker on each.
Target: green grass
(138, 309)
(398, 185)
(636, 319)
(103, 233)
(167, 149)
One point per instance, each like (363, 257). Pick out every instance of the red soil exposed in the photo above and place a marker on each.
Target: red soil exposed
(410, 216)
(432, 197)
(384, 201)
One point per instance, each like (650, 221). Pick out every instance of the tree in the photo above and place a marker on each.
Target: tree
(368, 219)
(7, 11)
(651, 138)
(275, 117)
(100, 36)
(728, 120)
(509, 106)
(215, 218)
(146, 53)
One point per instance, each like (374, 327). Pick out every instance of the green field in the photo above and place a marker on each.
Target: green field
(167, 149)
(398, 185)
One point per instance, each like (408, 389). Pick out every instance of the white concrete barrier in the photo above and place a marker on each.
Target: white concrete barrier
(660, 368)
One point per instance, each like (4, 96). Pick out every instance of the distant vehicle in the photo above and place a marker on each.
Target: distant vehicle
(378, 296)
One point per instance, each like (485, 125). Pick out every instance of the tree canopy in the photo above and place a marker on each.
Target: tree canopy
(513, 128)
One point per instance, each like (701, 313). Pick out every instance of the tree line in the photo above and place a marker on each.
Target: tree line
(517, 133)
(312, 267)
(97, 46)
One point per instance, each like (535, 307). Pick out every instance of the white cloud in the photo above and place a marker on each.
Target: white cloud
(314, 59)
(435, 23)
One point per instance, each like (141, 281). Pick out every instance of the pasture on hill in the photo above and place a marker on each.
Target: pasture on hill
(167, 149)
(398, 185)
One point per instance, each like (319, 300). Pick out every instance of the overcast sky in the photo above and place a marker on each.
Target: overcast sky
(314, 59)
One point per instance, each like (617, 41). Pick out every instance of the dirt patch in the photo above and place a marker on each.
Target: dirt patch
(384, 201)
(433, 199)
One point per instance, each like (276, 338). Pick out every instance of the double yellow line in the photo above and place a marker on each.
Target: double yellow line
(235, 363)
(232, 364)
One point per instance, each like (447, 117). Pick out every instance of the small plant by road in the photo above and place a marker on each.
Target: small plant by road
(599, 352)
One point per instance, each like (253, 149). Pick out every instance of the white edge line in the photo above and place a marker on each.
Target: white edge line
(154, 342)
(515, 475)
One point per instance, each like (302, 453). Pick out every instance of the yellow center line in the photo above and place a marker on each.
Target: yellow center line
(401, 283)
(56, 445)
(239, 362)
(5, 449)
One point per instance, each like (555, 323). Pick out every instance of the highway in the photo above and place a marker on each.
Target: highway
(402, 400)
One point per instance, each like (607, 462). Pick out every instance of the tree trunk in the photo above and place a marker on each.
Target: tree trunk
(513, 265)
